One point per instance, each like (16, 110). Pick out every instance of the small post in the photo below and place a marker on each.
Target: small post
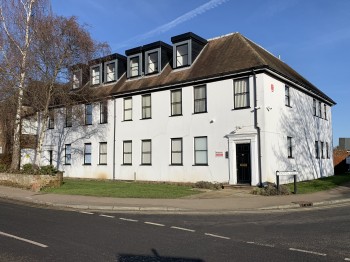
(295, 184)
(278, 182)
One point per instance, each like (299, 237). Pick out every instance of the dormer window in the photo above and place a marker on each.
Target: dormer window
(182, 57)
(152, 61)
(95, 75)
(110, 71)
(134, 65)
(76, 79)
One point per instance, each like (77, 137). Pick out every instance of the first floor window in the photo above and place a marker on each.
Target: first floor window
(146, 106)
(88, 114)
(146, 155)
(127, 152)
(51, 120)
(69, 116)
(67, 155)
(327, 150)
(176, 102)
(314, 107)
(176, 151)
(127, 109)
(290, 147)
(200, 151)
(241, 93)
(87, 154)
(50, 157)
(103, 112)
(200, 99)
(103, 153)
(320, 109)
(322, 155)
(287, 96)
(317, 150)
(325, 111)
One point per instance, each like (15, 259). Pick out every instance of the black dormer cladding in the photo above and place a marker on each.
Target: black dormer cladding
(197, 43)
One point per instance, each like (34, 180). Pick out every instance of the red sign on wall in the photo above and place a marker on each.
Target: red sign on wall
(272, 88)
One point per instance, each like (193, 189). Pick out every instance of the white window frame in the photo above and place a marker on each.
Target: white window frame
(196, 150)
(86, 153)
(77, 78)
(147, 62)
(174, 103)
(189, 53)
(103, 153)
(125, 109)
(245, 94)
(201, 100)
(115, 75)
(176, 152)
(144, 108)
(126, 153)
(92, 76)
(143, 152)
(104, 112)
(139, 56)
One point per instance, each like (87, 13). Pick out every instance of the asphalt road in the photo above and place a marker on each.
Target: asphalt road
(35, 234)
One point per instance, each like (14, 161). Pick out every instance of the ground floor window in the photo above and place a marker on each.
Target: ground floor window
(200, 150)
(146, 152)
(68, 155)
(317, 151)
(127, 152)
(87, 154)
(103, 153)
(290, 147)
(176, 151)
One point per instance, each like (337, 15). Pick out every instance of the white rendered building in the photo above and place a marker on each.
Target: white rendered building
(223, 110)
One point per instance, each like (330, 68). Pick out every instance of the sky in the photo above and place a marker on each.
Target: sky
(311, 36)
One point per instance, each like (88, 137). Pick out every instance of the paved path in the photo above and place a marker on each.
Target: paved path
(224, 201)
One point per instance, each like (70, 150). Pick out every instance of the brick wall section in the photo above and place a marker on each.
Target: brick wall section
(32, 182)
(339, 156)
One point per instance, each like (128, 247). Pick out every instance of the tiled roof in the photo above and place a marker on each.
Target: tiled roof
(221, 56)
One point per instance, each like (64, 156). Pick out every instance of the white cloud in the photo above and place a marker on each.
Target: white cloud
(179, 20)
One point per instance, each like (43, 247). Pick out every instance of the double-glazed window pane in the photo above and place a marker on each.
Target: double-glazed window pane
(88, 114)
(103, 112)
(146, 106)
(152, 62)
(87, 154)
(200, 151)
(146, 156)
(176, 102)
(110, 72)
(200, 99)
(127, 152)
(134, 66)
(68, 155)
(241, 91)
(182, 55)
(176, 151)
(103, 153)
(127, 108)
(95, 77)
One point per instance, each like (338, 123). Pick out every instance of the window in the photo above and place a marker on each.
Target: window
(200, 151)
(241, 93)
(127, 152)
(96, 75)
(50, 157)
(88, 114)
(200, 99)
(76, 79)
(182, 55)
(327, 150)
(134, 66)
(103, 153)
(103, 112)
(69, 116)
(110, 71)
(146, 106)
(322, 155)
(152, 62)
(314, 107)
(176, 151)
(67, 155)
(320, 109)
(87, 154)
(127, 109)
(325, 111)
(176, 102)
(287, 96)
(51, 120)
(317, 150)
(146, 155)
(290, 147)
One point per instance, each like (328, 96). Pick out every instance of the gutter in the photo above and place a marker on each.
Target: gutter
(256, 126)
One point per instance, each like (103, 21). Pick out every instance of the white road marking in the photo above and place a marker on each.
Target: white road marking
(84, 212)
(260, 244)
(106, 216)
(184, 229)
(128, 219)
(155, 224)
(307, 251)
(23, 239)
(212, 235)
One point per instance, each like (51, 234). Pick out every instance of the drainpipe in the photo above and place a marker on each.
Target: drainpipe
(256, 126)
(114, 128)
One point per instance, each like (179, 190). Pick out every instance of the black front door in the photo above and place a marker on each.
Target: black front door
(243, 164)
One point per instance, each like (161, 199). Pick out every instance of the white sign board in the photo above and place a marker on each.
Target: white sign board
(348, 160)
(0, 149)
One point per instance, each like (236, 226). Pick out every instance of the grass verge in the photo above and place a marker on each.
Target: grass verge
(120, 189)
(320, 184)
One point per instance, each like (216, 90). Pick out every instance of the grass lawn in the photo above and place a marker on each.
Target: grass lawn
(106, 188)
(320, 184)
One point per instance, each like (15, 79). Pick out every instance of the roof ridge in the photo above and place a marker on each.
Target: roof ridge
(222, 36)
(257, 55)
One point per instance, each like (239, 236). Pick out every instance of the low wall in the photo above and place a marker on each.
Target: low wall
(32, 182)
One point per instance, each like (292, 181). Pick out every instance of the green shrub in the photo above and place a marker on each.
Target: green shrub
(271, 190)
(208, 185)
(3, 167)
(48, 170)
(29, 169)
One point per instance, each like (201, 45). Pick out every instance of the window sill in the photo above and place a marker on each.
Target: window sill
(102, 164)
(200, 165)
(146, 118)
(288, 106)
(175, 115)
(146, 165)
(87, 124)
(127, 120)
(176, 165)
(93, 85)
(104, 123)
(183, 66)
(126, 164)
(110, 82)
(86, 164)
(196, 113)
(240, 108)
(67, 164)
(67, 126)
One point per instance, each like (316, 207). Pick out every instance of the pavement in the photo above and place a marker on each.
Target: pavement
(209, 202)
